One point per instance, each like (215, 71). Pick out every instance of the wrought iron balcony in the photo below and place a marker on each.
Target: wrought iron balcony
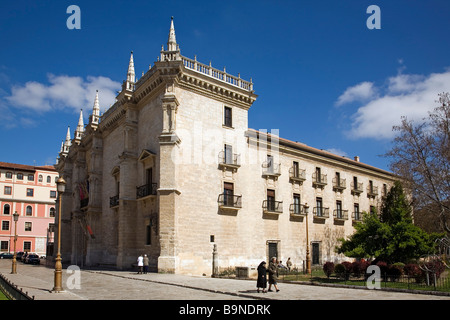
(229, 160)
(319, 180)
(229, 201)
(146, 190)
(356, 216)
(321, 212)
(297, 209)
(372, 191)
(296, 174)
(340, 214)
(339, 184)
(358, 188)
(114, 201)
(271, 169)
(272, 206)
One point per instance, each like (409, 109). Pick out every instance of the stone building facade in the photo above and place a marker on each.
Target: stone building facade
(172, 170)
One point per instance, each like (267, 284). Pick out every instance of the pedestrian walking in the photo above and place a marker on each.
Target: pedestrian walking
(261, 281)
(273, 274)
(145, 261)
(140, 262)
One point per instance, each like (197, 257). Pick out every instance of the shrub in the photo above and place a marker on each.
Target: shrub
(343, 269)
(412, 270)
(359, 268)
(383, 267)
(328, 268)
(395, 271)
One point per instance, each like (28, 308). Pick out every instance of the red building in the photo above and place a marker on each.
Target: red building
(31, 192)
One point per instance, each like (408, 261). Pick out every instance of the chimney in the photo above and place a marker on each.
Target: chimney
(357, 158)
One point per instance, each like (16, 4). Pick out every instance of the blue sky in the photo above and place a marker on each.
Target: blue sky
(323, 78)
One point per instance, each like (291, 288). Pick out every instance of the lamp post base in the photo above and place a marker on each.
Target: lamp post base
(58, 275)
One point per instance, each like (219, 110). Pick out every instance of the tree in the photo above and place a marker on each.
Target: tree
(395, 206)
(421, 156)
(393, 238)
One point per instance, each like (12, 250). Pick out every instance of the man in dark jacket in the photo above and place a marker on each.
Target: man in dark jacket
(273, 274)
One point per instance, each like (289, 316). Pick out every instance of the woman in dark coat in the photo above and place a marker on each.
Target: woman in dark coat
(261, 282)
(273, 274)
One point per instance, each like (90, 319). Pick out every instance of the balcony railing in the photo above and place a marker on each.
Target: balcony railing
(272, 206)
(319, 180)
(358, 188)
(372, 191)
(296, 174)
(297, 209)
(321, 212)
(229, 201)
(114, 201)
(271, 169)
(339, 184)
(340, 214)
(149, 189)
(231, 160)
(356, 216)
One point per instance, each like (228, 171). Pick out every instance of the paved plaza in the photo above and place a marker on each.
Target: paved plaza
(128, 285)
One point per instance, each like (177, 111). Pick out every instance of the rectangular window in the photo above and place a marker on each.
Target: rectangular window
(4, 245)
(31, 177)
(30, 192)
(52, 194)
(270, 200)
(5, 225)
(9, 175)
(228, 154)
(8, 190)
(338, 209)
(28, 226)
(228, 194)
(297, 203)
(338, 179)
(319, 207)
(270, 164)
(27, 246)
(20, 176)
(227, 117)
(356, 211)
(295, 166)
(318, 175)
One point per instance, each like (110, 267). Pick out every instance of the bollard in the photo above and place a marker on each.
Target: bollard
(215, 262)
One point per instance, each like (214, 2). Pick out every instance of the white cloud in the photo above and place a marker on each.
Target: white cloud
(412, 96)
(337, 152)
(359, 92)
(64, 92)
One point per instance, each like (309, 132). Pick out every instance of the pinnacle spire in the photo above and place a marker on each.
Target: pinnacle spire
(172, 41)
(131, 76)
(95, 110)
(67, 143)
(80, 127)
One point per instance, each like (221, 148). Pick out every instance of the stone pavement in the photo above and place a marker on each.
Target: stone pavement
(127, 285)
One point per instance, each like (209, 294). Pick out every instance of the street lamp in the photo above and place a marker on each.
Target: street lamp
(308, 257)
(14, 261)
(60, 186)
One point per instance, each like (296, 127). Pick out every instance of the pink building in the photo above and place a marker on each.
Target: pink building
(31, 192)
